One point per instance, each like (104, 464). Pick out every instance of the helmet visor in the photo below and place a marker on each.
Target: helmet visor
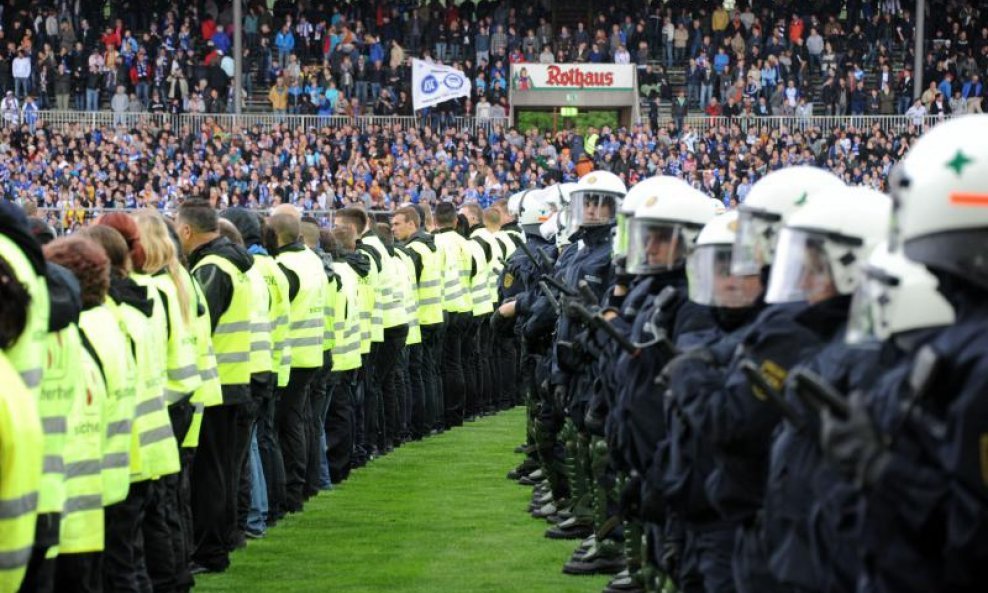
(754, 242)
(711, 282)
(801, 270)
(592, 209)
(621, 235)
(656, 246)
(867, 320)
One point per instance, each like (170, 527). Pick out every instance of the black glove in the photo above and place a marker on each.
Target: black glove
(502, 325)
(621, 275)
(853, 444)
(682, 363)
(559, 397)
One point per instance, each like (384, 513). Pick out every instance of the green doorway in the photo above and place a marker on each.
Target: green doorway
(553, 121)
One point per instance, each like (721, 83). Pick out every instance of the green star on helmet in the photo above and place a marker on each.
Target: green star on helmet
(959, 162)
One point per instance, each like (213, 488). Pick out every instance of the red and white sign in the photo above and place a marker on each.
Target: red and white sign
(572, 77)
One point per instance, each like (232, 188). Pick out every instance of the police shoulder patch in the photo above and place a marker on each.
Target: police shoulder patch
(509, 279)
(774, 375)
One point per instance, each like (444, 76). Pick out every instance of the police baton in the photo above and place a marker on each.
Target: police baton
(531, 256)
(819, 394)
(587, 293)
(562, 288)
(548, 294)
(598, 322)
(758, 381)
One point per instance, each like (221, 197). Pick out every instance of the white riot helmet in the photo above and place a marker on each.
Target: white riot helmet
(719, 206)
(534, 209)
(641, 191)
(514, 202)
(941, 199)
(766, 208)
(663, 231)
(708, 268)
(595, 200)
(894, 296)
(550, 228)
(824, 244)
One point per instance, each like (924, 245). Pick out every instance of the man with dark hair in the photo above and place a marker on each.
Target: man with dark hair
(458, 305)
(221, 269)
(427, 261)
(483, 288)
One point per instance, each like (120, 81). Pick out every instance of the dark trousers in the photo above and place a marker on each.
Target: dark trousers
(506, 393)
(403, 393)
(487, 365)
(431, 350)
(454, 378)
(372, 400)
(79, 573)
(472, 366)
(417, 371)
(339, 426)
(214, 475)
(40, 575)
(272, 461)
(359, 392)
(124, 570)
(383, 383)
(292, 416)
(166, 549)
(318, 405)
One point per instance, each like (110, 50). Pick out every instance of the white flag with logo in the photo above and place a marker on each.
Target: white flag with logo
(434, 83)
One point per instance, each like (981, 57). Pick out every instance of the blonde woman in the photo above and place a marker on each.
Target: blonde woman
(163, 270)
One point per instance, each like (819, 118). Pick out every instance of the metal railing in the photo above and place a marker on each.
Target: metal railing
(80, 121)
(63, 121)
(66, 219)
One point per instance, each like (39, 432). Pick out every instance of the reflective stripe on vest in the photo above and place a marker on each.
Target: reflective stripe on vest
(81, 526)
(307, 325)
(346, 328)
(231, 337)
(113, 348)
(182, 375)
(456, 272)
(60, 387)
(260, 323)
(153, 450)
(210, 392)
(430, 285)
(27, 354)
(20, 468)
(280, 315)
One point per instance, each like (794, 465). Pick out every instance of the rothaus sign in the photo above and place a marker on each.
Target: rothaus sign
(572, 77)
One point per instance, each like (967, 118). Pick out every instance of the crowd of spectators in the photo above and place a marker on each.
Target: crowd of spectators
(77, 169)
(345, 58)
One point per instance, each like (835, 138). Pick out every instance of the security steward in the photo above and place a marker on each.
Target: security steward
(428, 261)
(483, 253)
(220, 267)
(458, 305)
(307, 286)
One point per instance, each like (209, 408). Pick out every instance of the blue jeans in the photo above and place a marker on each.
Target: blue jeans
(904, 102)
(143, 93)
(92, 99)
(361, 90)
(258, 513)
(22, 86)
(668, 54)
(706, 93)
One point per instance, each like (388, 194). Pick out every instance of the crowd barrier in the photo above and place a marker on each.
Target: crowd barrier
(66, 219)
(63, 121)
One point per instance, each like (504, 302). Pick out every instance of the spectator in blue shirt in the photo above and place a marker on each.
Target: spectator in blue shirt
(284, 42)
